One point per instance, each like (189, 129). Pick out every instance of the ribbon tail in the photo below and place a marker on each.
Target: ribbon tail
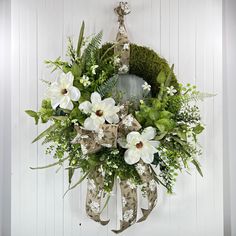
(94, 197)
(150, 190)
(129, 206)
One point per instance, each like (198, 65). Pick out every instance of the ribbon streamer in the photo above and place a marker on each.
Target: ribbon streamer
(123, 45)
(129, 205)
(150, 188)
(94, 197)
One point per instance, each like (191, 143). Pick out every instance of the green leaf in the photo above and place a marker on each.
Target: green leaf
(80, 40)
(164, 124)
(198, 129)
(161, 78)
(169, 77)
(34, 115)
(45, 132)
(76, 70)
(197, 167)
(78, 183)
(50, 165)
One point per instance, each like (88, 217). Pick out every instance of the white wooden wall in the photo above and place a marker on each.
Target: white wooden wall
(188, 34)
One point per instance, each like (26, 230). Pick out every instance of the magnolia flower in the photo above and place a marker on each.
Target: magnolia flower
(85, 81)
(140, 146)
(93, 68)
(171, 90)
(62, 92)
(100, 111)
(146, 86)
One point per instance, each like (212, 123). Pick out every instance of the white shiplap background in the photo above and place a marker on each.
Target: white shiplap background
(188, 34)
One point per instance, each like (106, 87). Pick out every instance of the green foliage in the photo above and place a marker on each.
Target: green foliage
(106, 88)
(175, 116)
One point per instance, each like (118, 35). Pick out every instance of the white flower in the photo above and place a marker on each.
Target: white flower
(91, 184)
(124, 202)
(146, 86)
(95, 207)
(85, 81)
(128, 120)
(100, 111)
(126, 46)
(171, 90)
(132, 185)
(93, 68)
(152, 185)
(124, 69)
(128, 215)
(140, 168)
(140, 146)
(116, 61)
(62, 92)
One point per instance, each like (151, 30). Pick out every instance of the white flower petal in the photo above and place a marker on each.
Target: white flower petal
(86, 107)
(155, 144)
(149, 133)
(133, 136)
(147, 157)
(109, 102)
(95, 98)
(132, 156)
(55, 101)
(70, 78)
(114, 119)
(74, 93)
(66, 103)
(91, 124)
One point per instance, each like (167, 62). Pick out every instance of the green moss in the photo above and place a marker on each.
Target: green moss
(147, 64)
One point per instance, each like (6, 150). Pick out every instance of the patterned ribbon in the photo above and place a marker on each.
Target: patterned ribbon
(107, 136)
(94, 196)
(150, 188)
(129, 205)
(122, 48)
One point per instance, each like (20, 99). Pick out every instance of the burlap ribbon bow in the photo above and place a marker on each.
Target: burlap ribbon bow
(92, 142)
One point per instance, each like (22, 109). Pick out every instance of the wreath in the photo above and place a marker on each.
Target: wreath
(137, 142)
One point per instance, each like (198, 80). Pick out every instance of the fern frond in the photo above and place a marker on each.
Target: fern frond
(92, 49)
(196, 97)
(108, 86)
